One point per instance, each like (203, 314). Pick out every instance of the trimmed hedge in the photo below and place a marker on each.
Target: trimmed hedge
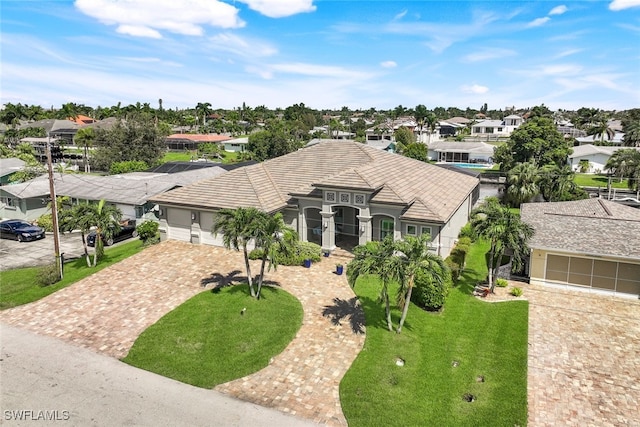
(301, 251)
(429, 295)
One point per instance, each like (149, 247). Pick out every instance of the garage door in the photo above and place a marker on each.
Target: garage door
(206, 224)
(595, 274)
(179, 221)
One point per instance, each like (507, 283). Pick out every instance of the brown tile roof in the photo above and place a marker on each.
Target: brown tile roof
(591, 226)
(428, 192)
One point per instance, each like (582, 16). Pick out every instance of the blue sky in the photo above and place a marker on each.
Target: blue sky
(326, 54)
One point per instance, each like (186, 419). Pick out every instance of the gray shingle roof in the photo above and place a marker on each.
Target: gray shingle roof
(390, 178)
(10, 165)
(591, 226)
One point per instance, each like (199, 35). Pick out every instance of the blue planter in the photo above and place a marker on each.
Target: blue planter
(339, 269)
(307, 263)
(325, 253)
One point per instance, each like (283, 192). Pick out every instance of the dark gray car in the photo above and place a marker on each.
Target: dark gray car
(20, 230)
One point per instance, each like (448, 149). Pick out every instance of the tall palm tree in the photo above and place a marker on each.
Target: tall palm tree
(523, 183)
(106, 220)
(414, 256)
(78, 217)
(272, 236)
(238, 230)
(84, 137)
(631, 131)
(505, 231)
(203, 108)
(601, 130)
(377, 258)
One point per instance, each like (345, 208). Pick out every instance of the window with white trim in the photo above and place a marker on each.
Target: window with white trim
(412, 230)
(345, 197)
(426, 230)
(330, 196)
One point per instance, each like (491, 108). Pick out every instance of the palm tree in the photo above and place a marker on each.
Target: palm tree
(203, 108)
(79, 217)
(272, 236)
(377, 258)
(106, 220)
(415, 256)
(625, 163)
(505, 231)
(432, 123)
(238, 229)
(631, 136)
(601, 129)
(85, 137)
(523, 183)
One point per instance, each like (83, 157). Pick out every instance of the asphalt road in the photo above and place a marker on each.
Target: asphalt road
(43, 377)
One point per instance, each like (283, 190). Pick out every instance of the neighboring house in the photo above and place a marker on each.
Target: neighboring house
(568, 130)
(597, 157)
(334, 193)
(40, 148)
(191, 141)
(128, 192)
(497, 128)
(237, 145)
(460, 152)
(590, 244)
(8, 167)
(596, 139)
(82, 120)
(386, 131)
(449, 129)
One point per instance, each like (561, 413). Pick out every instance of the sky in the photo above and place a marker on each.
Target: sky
(326, 54)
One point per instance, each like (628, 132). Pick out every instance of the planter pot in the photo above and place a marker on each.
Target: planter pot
(326, 254)
(307, 263)
(339, 270)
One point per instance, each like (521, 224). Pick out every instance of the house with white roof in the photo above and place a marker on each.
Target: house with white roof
(594, 156)
(497, 128)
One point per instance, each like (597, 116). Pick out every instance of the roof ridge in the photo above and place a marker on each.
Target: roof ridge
(251, 181)
(605, 207)
(274, 185)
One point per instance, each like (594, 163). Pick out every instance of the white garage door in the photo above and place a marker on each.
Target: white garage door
(179, 221)
(595, 274)
(206, 224)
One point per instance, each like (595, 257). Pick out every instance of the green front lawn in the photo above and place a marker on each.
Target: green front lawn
(20, 286)
(179, 156)
(206, 341)
(597, 180)
(485, 339)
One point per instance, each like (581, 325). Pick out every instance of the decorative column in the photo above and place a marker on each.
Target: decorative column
(328, 231)
(364, 229)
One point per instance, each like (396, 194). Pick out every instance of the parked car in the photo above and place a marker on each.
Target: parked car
(20, 230)
(127, 231)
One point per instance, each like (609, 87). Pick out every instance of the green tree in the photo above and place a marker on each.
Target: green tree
(416, 150)
(625, 163)
(415, 257)
(404, 136)
(377, 258)
(272, 237)
(238, 230)
(79, 217)
(522, 183)
(505, 231)
(136, 139)
(557, 184)
(106, 220)
(203, 109)
(537, 140)
(272, 142)
(600, 130)
(85, 138)
(631, 128)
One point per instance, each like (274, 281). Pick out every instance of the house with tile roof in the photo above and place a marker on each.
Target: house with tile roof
(596, 156)
(590, 244)
(497, 128)
(334, 193)
(191, 141)
(461, 152)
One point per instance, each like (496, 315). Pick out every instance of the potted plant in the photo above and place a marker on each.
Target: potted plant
(339, 269)
(307, 263)
(325, 253)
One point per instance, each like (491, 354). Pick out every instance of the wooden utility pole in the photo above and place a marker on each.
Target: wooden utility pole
(54, 209)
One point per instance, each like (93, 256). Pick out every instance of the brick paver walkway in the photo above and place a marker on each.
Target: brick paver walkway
(107, 311)
(584, 358)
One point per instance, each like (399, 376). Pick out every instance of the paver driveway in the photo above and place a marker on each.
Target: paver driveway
(107, 311)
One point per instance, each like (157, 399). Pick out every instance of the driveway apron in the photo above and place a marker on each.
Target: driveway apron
(107, 311)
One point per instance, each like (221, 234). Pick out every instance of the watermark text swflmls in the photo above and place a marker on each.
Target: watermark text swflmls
(36, 415)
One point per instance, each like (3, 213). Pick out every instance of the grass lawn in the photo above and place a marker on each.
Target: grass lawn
(178, 156)
(594, 180)
(488, 340)
(20, 286)
(205, 341)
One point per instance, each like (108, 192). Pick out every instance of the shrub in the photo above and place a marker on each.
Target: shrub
(467, 231)
(148, 232)
(48, 275)
(128, 166)
(501, 283)
(454, 267)
(45, 221)
(300, 252)
(516, 292)
(429, 295)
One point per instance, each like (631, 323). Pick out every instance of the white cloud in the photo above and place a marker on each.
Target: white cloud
(558, 10)
(147, 18)
(475, 89)
(486, 54)
(623, 4)
(245, 47)
(318, 70)
(388, 64)
(400, 15)
(560, 70)
(568, 52)
(280, 8)
(538, 22)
